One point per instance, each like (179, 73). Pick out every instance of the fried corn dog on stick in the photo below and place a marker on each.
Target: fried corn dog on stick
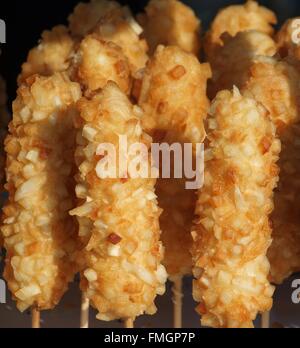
(231, 65)
(170, 22)
(118, 218)
(53, 54)
(236, 18)
(173, 97)
(275, 84)
(232, 232)
(284, 39)
(98, 61)
(39, 235)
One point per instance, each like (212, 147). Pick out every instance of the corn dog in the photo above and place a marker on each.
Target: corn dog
(275, 84)
(170, 22)
(118, 218)
(236, 18)
(39, 235)
(96, 62)
(173, 97)
(53, 54)
(230, 66)
(232, 232)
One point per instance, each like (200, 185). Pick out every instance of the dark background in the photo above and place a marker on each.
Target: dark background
(26, 19)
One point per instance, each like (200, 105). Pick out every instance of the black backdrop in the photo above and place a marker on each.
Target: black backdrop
(26, 19)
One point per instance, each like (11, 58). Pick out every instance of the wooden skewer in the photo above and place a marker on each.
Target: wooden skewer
(36, 318)
(84, 313)
(177, 302)
(129, 323)
(265, 320)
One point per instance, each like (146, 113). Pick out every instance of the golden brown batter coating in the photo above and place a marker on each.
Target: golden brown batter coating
(173, 96)
(232, 232)
(53, 54)
(118, 218)
(236, 18)
(170, 22)
(39, 234)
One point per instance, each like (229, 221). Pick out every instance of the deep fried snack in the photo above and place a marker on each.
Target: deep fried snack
(39, 235)
(232, 232)
(86, 15)
(118, 218)
(170, 22)
(120, 27)
(113, 23)
(284, 39)
(173, 97)
(173, 94)
(98, 61)
(231, 65)
(58, 51)
(236, 18)
(53, 54)
(275, 84)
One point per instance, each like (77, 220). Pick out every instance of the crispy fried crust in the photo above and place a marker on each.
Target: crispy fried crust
(98, 61)
(39, 235)
(121, 28)
(58, 50)
(86, 15)
(231, 63)
(236, 18)
(232, 232)
(112, 23)
(275, 84)
(171, 69)
(170, 22)
(173, 96)
(118, 218)
(284, 39)
(53, 54)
